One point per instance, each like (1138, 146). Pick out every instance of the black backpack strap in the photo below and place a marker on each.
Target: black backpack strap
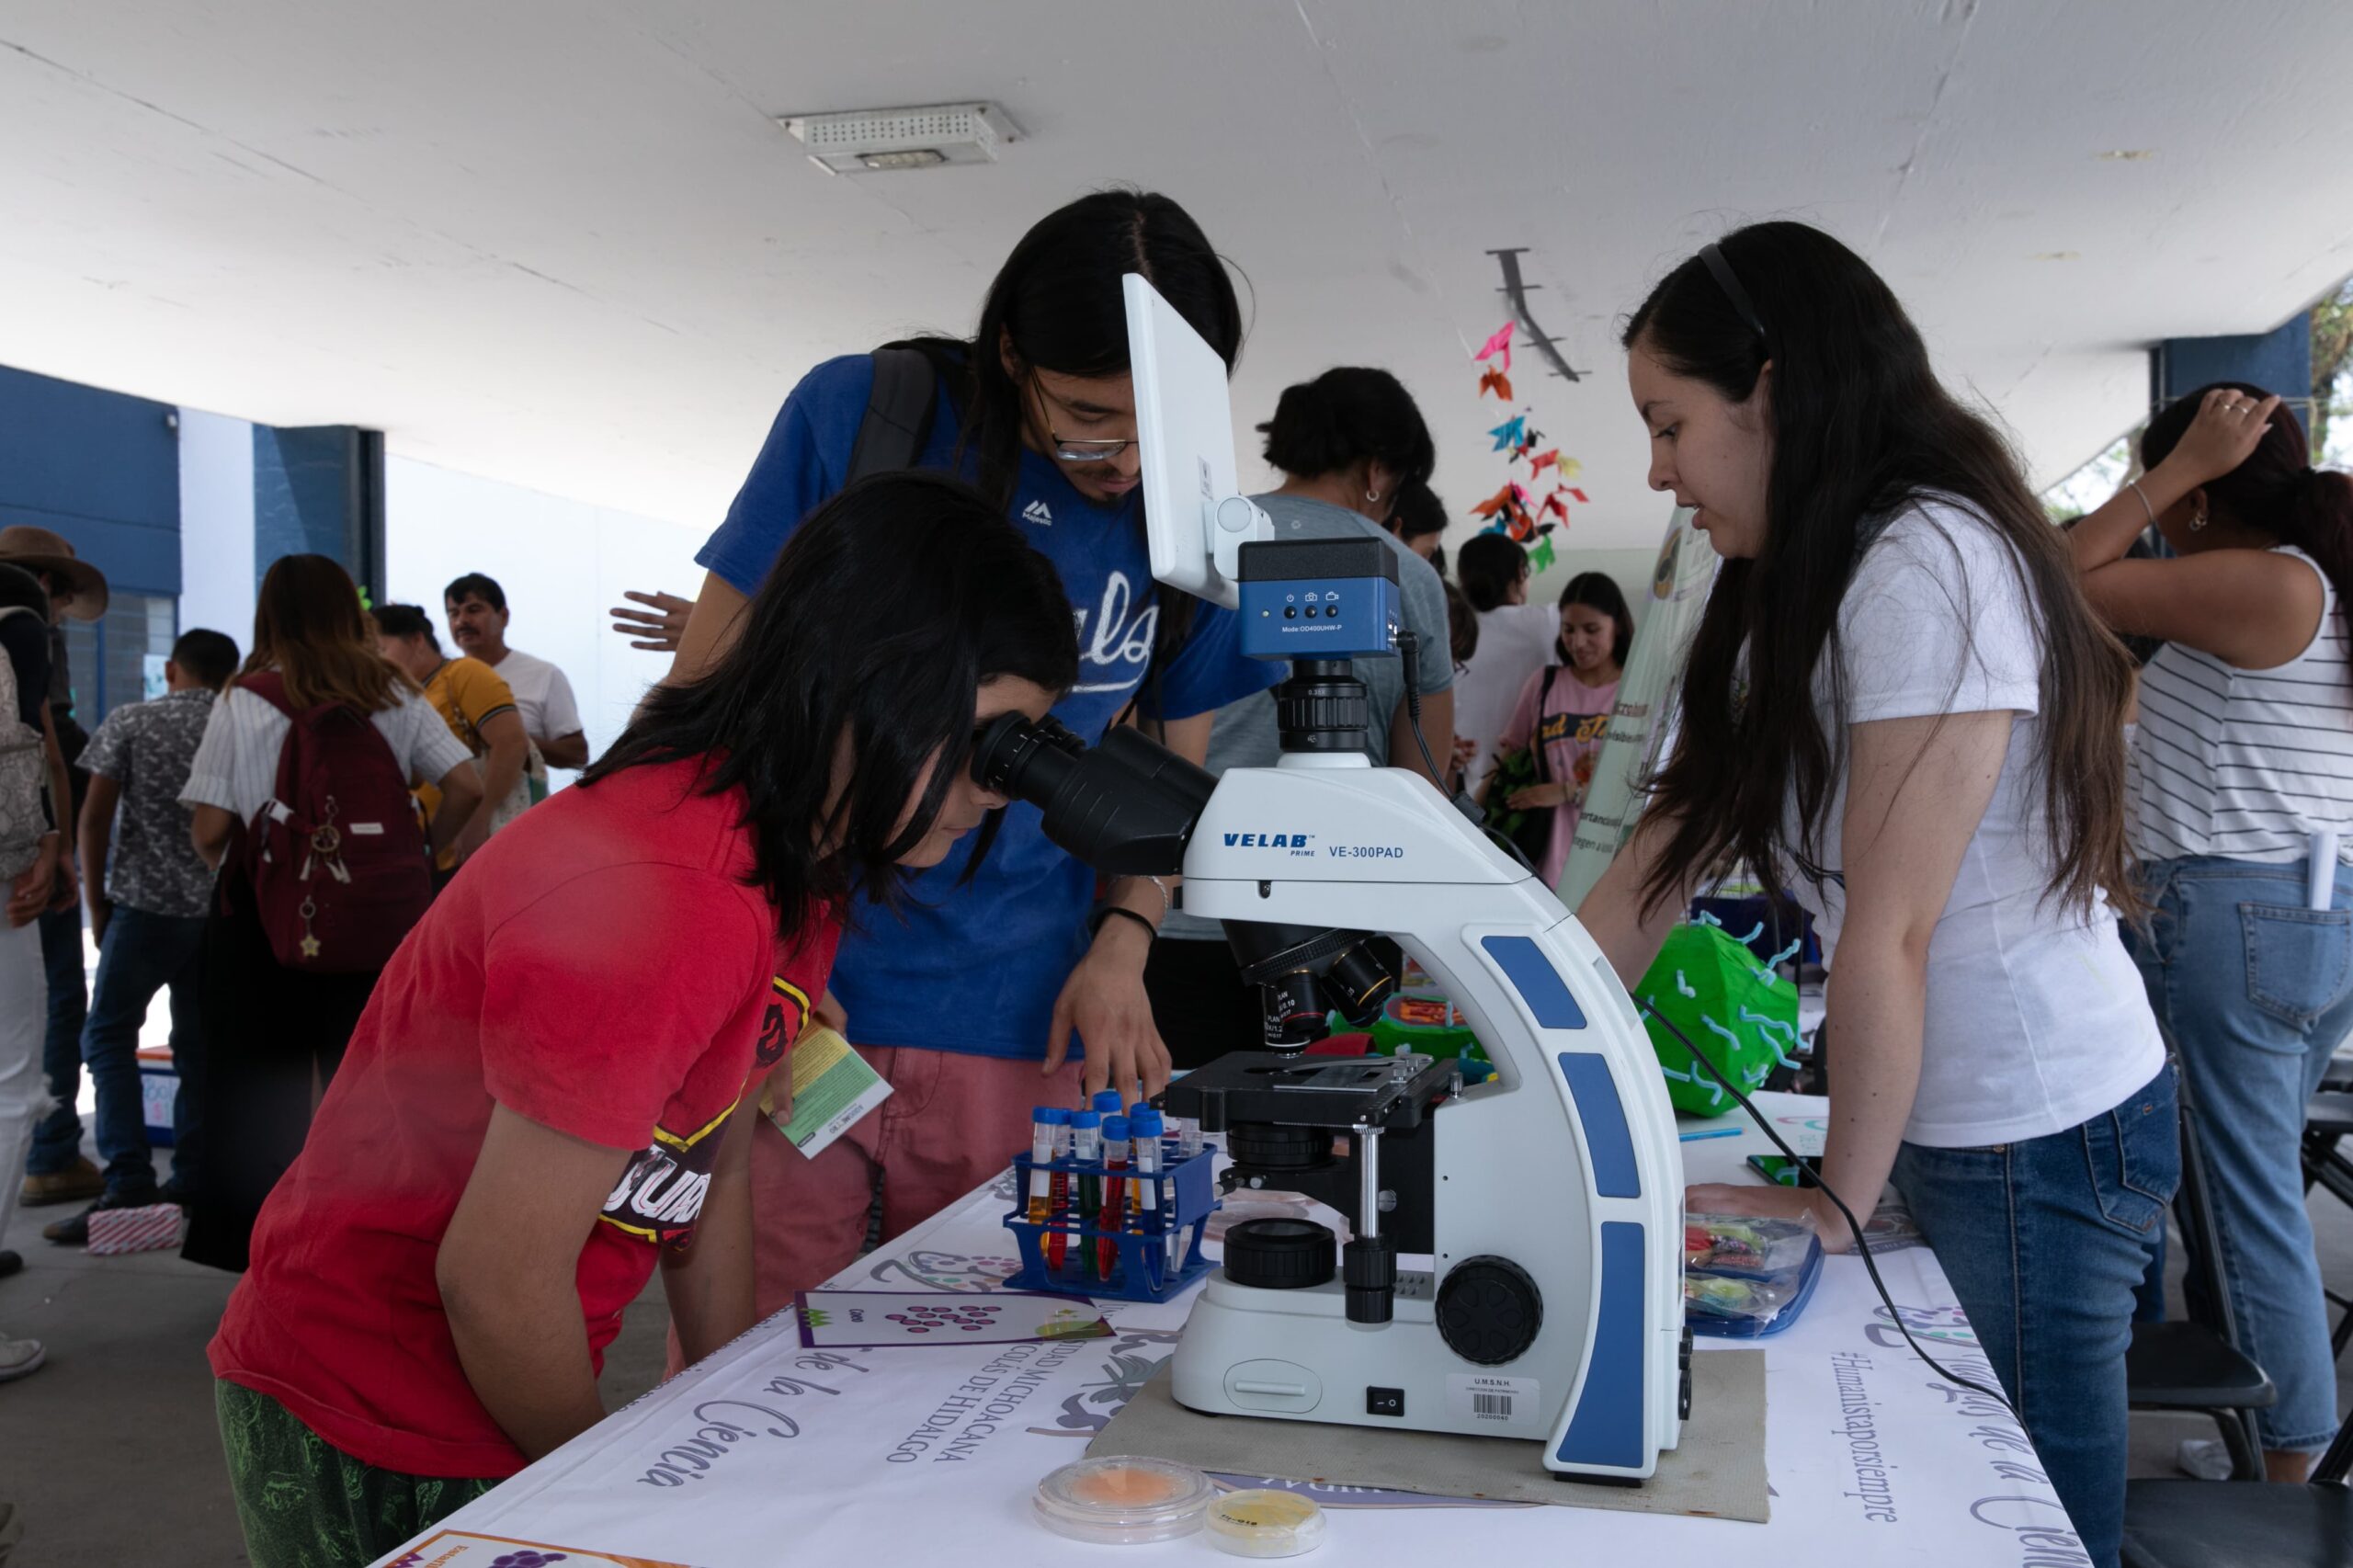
(1536, 729)
(898, 413)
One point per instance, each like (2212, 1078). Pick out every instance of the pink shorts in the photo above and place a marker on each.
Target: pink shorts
(953, 1123)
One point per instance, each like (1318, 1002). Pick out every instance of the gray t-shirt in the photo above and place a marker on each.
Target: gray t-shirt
(1244, 735)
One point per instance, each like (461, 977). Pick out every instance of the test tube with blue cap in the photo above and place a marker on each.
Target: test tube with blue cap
(1145, 1128)
(1086, 1149)
(1041, 1160)
(1059, 1119)
(1113, 1216)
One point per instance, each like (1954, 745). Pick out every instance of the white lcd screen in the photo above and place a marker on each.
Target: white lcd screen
(1184, 426)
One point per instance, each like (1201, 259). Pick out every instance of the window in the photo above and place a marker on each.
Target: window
(108, 656)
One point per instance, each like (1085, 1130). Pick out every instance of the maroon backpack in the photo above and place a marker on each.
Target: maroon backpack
(336, 858)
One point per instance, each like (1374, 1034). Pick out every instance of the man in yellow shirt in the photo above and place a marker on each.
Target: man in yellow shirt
(477, 708)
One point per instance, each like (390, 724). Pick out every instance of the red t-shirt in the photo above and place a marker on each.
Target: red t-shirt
(601, 968)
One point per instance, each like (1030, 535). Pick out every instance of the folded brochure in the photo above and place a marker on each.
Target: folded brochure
(874, 1320)
(832, 1088)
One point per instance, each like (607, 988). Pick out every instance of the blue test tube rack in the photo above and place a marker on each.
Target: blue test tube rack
(1140, 1272)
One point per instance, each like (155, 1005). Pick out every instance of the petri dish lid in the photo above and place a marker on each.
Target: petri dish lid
(1119, 1501)
(1260, 1523)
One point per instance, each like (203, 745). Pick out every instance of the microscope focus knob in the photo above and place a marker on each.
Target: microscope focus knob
(1281, 1255)
(1489, 1311)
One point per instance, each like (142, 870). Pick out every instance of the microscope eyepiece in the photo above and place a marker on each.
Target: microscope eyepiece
(1025, 758)
(1126, 807)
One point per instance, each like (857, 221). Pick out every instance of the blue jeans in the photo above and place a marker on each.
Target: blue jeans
(142, 954)
(57, 1137)
(2256, 991)
(2044, 1242)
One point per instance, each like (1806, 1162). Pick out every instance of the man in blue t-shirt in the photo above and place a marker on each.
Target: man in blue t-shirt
(969, 1004)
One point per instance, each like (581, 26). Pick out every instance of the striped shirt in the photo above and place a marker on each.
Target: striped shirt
(2245, 763)
(237, 763)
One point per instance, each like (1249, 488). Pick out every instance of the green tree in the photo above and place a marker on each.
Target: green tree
(2332, 358)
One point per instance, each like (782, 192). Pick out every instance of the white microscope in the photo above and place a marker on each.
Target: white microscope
(1515, 1267)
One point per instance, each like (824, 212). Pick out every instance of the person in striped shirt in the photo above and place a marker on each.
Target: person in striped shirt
(2242, 818)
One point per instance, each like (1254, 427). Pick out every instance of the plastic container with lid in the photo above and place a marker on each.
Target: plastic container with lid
(1266, 1524)
(1123, 1501)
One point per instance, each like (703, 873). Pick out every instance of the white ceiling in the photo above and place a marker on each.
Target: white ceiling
(562, 244)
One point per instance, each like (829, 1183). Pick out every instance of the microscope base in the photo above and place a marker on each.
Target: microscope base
(1293, 1356)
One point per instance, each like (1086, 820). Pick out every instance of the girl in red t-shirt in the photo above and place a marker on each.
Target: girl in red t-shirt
(1566, 707)
(554, 1083)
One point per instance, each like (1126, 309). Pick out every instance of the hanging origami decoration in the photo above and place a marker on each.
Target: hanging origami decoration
(1505, 503)
(1511, 511)
(1499, 343)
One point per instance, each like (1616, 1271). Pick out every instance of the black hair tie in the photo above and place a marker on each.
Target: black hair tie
(1721, 270)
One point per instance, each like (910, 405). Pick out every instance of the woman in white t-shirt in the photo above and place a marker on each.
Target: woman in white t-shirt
(1898, 701)
(271, 1033)
(1516, 639)
(2242, 775)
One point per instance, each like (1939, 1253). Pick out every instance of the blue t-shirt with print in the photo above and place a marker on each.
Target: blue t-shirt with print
(975, 968)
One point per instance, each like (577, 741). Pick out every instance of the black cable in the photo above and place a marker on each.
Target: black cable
(1409, 653)
(1862, 1244)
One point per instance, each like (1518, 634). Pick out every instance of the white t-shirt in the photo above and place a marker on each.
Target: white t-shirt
(1514, 642)
(237, 763)
(2037, 1020)
(542, 696)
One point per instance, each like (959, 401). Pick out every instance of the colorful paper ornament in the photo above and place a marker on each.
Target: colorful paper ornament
(1499, 343)
(1506, 499)
(1540, 555)
(1508, 433)
(1495, 381)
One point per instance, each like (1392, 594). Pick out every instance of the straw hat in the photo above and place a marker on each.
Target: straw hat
(38, 550)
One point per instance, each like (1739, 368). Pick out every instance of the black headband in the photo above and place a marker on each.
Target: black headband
(1721, 270)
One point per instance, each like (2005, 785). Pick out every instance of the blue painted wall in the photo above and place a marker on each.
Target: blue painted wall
(318, 490)
(99, 467)
(2280, 361)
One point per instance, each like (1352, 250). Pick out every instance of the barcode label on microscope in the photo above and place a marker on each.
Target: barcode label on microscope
(1498, 1401)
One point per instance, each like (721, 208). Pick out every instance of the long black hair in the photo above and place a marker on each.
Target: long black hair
(1861, 426)
(1487, 565)
(1599, 590)
(2277, 490)
(1347, 416)
(1058, 300)
(1418, 513)
(886, 610)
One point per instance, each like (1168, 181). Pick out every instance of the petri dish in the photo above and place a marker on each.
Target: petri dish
(1123, 1501)
(1266, 1524)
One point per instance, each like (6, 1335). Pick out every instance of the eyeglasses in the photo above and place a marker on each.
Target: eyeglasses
(1068, 450)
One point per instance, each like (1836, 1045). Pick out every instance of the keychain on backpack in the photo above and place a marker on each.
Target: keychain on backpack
(309, 943)
(326, 843)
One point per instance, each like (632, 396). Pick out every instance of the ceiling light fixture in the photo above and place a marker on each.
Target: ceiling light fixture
(876, 141)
